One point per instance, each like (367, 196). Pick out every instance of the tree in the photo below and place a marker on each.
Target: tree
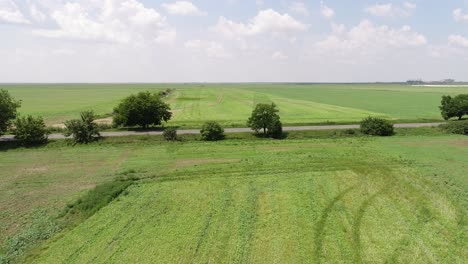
(8, 107)
(83, 130)
(30, 131)
(454, 106)
(143, 109)
(377, 127)
(264, 118)
(212, 131)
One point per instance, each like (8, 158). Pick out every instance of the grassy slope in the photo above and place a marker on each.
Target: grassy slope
(231, 104)
(369, 200)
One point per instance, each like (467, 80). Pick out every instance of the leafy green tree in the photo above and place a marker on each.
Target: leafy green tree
(377, 127)
(8, 107)
(143, 109)
(454, 106)
(30, 131)
(264, 118)
(212, 131)
(83, 130)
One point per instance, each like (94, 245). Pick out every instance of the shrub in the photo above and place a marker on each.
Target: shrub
(277, 130)
(83, 130)
(170, 134)
(143, 109)
(212, 131)
(8, 107)
(349, 132)
(459, 127)
(377, 127)
(29, 130)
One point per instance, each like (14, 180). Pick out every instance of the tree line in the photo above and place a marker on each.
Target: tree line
(146, 109)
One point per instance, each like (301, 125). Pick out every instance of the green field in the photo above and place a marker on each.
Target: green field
(231, 104)
(362, 200)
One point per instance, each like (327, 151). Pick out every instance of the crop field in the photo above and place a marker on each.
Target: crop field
(231, 104)
(364, 200)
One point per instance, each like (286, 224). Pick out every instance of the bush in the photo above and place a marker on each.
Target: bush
(377, 127)
(170, 134)
(277, 130)
(83, 130)
(349, 132)
(143, 109)
(29, 130)
(459, 127)
(212, 131)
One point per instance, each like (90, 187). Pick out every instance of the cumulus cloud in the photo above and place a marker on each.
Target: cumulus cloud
(299, 8)
(458, 40)
(10, 13)
(326, 11)
(117, 21)
(210, 49)
(458, 15)
(183, 8)
(389, 10)
(367, 38)
(266, 22)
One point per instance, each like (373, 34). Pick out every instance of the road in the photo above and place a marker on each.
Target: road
(231, 130)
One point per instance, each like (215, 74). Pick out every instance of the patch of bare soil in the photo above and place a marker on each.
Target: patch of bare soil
(459, 142)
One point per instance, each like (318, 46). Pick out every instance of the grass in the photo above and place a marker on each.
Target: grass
(346, 199)
(231, 104)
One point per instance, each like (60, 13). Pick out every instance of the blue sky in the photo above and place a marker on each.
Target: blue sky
(232, 40)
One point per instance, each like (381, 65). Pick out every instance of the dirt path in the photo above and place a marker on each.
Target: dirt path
(233, 130)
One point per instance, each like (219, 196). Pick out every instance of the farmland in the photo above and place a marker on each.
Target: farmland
(230, 104)
(400, 199)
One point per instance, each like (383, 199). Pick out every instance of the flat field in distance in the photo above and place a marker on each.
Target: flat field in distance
(374, 200)
(231, 104)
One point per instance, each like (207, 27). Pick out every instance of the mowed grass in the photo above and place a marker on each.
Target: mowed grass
(231, 104)
(360, 200)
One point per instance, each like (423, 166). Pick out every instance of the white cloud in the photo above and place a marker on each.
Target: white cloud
(409, 5)
(10, 13)
(266, 22)
(211, 49)
(458, 15)
(64, 52)
(118, 21)
(389, 10)
(458, 40)
(299, 8)
(36, 14)
(367, 39)
(326, 11)
(278, 55)
(183, 8)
